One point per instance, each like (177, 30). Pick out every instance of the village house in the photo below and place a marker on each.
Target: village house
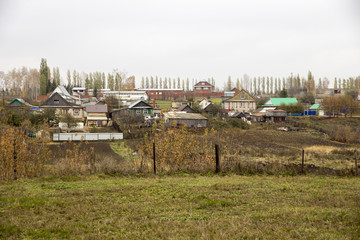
(191, 120)
(61, 106)
(186, 108)
(137, 108)
(96, 115)
(241, 102)
(20, 103)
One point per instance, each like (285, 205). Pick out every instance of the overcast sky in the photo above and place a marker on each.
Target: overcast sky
(184, 38)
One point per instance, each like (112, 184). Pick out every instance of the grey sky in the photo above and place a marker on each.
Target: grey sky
(184, 38)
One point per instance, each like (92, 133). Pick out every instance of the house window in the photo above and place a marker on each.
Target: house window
(138, 111)
(56, 101)
(76, 112)
(242, 96)
(206, 88)
(202, 83)
(242, 104)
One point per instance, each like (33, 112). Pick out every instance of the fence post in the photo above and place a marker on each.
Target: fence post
(92, 162)
(154, 157)
(217, 158)
(356, 165)
(15, 157)
(302, 161)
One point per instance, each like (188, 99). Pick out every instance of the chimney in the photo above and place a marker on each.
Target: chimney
(236, 91)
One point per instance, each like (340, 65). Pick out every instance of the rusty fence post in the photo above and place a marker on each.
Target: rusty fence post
(217, 158)
(356, 166)
(154, 156)
(302, 160)
(15, 158)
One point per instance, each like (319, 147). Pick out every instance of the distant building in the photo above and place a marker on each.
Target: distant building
(241, 102)
(128, 96)
(164, 94)
(96, 115)
(276, 102)
(191, 120)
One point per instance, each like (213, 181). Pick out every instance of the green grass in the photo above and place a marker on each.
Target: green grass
(122, 149)
(181, 207)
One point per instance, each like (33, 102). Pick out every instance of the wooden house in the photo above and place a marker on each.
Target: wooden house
(96, 115)
(186, 108)
(137, 108)
(191, 120)
(62, 106)
(241, 102)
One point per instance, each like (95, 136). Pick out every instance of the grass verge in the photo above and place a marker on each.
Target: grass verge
(181, 207)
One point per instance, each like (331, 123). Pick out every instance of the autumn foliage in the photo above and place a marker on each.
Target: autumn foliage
(20, 155)
(179, 150)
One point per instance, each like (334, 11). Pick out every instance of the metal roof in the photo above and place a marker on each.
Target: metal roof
(191, 116)
(279, 101)
(96, 108)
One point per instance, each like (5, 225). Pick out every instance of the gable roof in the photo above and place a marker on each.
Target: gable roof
(200, 84)
(96, 108)
(17, 102)
(242, 95)
(56, 100)
(139, 103)
(186, 108)
(315, 107)
(279, 101)
(61, 90)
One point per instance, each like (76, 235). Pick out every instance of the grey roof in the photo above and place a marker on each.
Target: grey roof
(173, 115)
(96, 108)
(133, 104)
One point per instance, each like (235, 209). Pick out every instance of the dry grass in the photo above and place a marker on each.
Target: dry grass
(181, 207)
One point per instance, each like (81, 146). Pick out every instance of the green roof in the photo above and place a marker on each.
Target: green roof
(315, 107)
(279, 101)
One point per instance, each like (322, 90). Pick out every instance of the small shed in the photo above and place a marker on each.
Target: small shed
(277, 115)
(96, 115)
(191, 120)
(318, 109)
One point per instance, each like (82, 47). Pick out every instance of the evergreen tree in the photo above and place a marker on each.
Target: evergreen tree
(48, 82)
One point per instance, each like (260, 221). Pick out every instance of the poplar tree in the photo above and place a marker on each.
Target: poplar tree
(178, 83)
(142, 83)
(238, 83)
(263, 85)
(228, 86)
(335, 83)
(43, 76)
(103, 80)
(169, 83)
(267, 85)
(271, 85)
(68, 79)
(165, 83)
(147, 83)
(74, 78)
(111, 82)
(183, 84)
(187, 85)
(161, 84)
(151, 82)
(174, 83)
(156, 82)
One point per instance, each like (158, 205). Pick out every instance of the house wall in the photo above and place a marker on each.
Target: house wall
(191, 123)
(77, 113)
(240, 106)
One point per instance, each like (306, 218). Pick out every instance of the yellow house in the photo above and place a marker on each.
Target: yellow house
(242, 101)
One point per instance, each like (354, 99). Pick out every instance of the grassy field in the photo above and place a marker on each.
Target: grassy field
(181, 207)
